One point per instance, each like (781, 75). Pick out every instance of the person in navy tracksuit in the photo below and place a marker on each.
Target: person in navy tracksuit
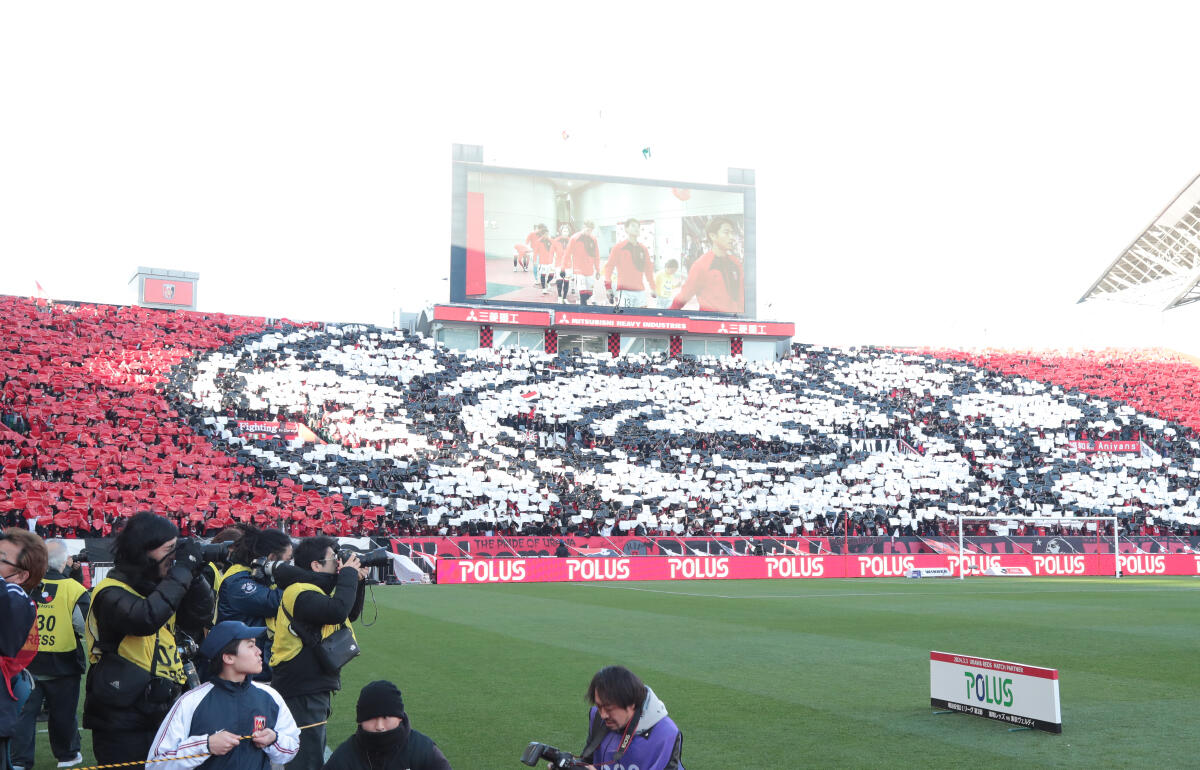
(230, 722)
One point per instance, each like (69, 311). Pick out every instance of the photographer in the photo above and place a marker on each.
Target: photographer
(22, 565)
(629, 725)
(247, 592)
(62, 605)
(214, 571)
(136, 673)
(325, 595)
(385, 739)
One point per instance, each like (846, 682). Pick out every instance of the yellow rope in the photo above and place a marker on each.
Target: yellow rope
(176, 759)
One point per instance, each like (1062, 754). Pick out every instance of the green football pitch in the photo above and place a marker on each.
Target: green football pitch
(784, 674)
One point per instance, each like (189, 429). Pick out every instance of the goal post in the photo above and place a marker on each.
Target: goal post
(1078, 520)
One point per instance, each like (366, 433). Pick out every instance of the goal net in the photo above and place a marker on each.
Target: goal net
(1036, 535)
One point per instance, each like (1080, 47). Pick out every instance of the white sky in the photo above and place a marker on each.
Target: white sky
(928, 173)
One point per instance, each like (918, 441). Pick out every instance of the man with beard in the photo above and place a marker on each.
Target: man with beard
(135, 674)
(324, 595)
(634, 268)
(385, 739)
(717, 279)
(583, 260)
(629, 725)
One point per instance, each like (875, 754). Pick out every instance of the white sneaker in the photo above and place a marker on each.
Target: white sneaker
(73, 761)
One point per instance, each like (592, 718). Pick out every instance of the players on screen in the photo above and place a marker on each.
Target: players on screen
(708, 274)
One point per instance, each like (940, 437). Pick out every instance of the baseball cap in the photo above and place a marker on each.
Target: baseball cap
(225, 632)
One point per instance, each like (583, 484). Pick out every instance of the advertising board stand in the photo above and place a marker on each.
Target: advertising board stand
(1021, 695)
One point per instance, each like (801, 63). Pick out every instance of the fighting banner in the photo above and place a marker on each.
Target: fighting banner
(288, 431)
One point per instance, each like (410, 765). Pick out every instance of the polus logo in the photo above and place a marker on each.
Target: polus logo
(989, 689)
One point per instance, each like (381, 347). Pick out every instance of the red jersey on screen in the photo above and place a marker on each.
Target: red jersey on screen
(521, 249)
(632, 263)
(558, 248)
(717, 283)
(583, 254)
(541, 249)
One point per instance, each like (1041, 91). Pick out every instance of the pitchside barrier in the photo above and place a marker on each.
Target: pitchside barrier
(1022, 695)
(571, 569)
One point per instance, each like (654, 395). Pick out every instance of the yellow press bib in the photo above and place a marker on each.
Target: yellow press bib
(287, 644)
(56, 604)
(155, 653)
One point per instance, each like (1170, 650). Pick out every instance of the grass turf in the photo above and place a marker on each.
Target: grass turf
(783, 674)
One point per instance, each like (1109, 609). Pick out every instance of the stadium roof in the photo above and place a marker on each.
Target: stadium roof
(1162, 266)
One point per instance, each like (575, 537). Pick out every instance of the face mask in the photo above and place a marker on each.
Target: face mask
(380, 743)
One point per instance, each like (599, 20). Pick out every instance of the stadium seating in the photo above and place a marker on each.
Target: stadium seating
(110, 410)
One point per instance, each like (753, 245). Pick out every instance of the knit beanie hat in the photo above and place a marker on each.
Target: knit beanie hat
(380, 699)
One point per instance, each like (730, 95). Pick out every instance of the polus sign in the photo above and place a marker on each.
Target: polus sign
(1021, 695)
(548, 569)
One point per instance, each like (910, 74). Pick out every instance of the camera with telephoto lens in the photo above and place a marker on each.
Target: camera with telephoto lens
(375, 558)
(218, 552)
(188, 649)
(536, 751)
(263, 569)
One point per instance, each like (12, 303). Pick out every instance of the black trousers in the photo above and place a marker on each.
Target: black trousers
(307, 709)
(114, 746)
(62, 700)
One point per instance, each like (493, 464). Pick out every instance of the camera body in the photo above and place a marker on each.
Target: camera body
(537, 751)
(263, 569)
(217, 552)
(377, 557)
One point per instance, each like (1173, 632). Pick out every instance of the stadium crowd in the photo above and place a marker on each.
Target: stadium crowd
(110, 410)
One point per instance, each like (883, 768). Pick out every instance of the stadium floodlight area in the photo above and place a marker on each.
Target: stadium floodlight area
(1162, 266)
(1002, 523)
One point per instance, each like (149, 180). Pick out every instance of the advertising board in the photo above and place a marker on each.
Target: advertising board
(1016, 693)
(621, 568)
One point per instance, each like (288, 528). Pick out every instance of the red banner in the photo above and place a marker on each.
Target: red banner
(1106, 446)
(583, 569)
(672, 324)
(741, 328)
(478, 315)
(621, 321)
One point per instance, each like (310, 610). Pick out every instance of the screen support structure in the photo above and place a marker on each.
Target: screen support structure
(1116, 526)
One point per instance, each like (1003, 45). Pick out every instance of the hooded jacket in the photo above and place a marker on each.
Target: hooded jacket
(657, 743)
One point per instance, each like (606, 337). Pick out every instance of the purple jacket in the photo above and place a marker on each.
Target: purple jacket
(657, 745)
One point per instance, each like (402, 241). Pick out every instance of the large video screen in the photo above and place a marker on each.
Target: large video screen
(530, 237)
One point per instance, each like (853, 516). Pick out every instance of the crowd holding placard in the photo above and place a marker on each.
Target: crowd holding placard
(107, 413)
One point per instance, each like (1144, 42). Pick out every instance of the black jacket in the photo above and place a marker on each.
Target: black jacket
(118, 613)
(340, 599)
(416, 751)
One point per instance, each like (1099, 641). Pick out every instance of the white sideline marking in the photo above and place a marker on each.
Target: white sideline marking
(881, 593)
